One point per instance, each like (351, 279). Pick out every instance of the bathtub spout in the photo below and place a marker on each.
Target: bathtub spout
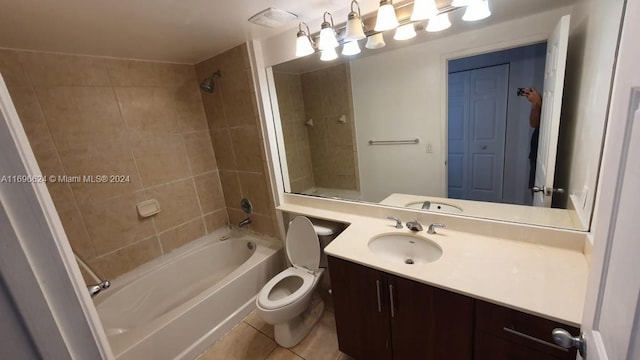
(245, 222)
(95, 289)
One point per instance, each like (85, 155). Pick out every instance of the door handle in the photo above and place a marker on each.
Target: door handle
(393, 313)
(564, 339)
(378, 292)
(547, 191)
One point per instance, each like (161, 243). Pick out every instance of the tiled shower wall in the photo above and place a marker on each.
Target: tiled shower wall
(294, 130)
(327, 97)
(232, 115)
(143, 120)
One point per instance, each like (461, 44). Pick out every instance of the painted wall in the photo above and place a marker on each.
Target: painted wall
(592, 44)
(15, 342)
(417, 76)
(143, 120)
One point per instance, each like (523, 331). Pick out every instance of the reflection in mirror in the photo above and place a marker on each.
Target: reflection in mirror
(437, 125)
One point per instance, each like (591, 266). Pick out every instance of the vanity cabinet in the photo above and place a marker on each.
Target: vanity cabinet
(382, 316)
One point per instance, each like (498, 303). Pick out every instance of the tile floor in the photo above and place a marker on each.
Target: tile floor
(252, 339)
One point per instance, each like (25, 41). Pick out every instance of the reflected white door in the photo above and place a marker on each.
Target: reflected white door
(551, 106)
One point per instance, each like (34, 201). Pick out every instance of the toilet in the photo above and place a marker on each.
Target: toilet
(289, 301)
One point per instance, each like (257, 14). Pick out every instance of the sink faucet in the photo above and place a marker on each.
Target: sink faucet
(414, 225)
(245, 222)
(432, 228)
(95, 289)
(398, 222)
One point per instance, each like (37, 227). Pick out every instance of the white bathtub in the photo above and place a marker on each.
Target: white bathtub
(178, 305)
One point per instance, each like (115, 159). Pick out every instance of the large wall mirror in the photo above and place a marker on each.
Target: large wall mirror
(437, 123)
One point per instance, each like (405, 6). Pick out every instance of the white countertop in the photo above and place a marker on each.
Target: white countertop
(542, 280)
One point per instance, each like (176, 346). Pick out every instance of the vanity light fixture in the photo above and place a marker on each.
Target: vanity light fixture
(351, 48)
(460, 3)
(439, 23)
(386, 19)
(328, 54)
(423, 9)
(405, 32)
(355, 29)
(327, 34)
(375, 41)
(477, 10)
(304, 44)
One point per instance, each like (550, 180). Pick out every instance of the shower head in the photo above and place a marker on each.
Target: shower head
(207, 84)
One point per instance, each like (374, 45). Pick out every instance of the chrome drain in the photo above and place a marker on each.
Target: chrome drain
(409, 262)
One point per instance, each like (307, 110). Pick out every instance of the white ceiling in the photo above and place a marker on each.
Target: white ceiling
(182, 31)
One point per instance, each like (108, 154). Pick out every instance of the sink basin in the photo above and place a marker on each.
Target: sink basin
(406, 249)
(435, 206)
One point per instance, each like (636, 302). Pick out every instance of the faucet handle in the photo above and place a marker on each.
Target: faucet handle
(432, 228)
(398, 222)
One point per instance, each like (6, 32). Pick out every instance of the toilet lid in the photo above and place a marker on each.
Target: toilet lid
(303, 247)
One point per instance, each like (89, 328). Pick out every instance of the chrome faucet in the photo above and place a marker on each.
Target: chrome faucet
(95, 289)
(432, 228)
(426, 205)
(398, 222)
(414, 225)
(245, 222)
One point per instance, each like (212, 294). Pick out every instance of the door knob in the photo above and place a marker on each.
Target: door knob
(564, 339)
(547, 191)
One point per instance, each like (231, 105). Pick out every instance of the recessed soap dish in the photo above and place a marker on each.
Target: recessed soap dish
(148, 208)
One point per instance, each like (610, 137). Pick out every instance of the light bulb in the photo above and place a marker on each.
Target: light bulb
(386, 19)
(375, 41)
(351, 48)
(439, 23)
(328, 54)
(424, 9)
(405, 32)
(327, 39)
(303, 46)
(460, 3)
(477, 10)
(355, 30)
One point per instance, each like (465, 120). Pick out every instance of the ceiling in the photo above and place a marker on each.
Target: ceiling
(181, 31)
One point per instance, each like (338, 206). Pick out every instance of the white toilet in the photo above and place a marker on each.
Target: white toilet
(289, 301)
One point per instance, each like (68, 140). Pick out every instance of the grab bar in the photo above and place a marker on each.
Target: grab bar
(394, 142)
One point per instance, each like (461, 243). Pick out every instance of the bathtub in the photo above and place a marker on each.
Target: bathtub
(178, 305)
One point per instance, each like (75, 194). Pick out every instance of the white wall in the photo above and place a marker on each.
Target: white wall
(415, 91)
(592, 44)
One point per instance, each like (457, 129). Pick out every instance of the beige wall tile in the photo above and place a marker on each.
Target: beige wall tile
(262, 224)
(242, 343)
(247, 148)
(65, 70)
(216, 220)
(161, 159)
(214, 108)
(189, 108)
(178, 236)
(11, 69)
(149, 110)
(146, 73)
(231, 187)
(210, 192)
(223, 149)
(200, 152)
(255, 188)
(240, 102)
(178, 203)
(235, 216)
(115, 223)
(126, 259)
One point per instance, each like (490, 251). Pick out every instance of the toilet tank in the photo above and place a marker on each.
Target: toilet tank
(326, 231)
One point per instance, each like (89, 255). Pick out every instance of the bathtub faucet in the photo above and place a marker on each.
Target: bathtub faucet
(245, 222)
(95, 289)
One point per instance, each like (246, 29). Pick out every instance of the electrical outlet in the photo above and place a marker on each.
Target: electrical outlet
(429, 148)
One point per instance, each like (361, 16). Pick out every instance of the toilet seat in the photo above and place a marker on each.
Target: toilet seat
(308, 280)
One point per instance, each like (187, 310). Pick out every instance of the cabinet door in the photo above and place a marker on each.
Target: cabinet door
(361, 310)
(430, 323)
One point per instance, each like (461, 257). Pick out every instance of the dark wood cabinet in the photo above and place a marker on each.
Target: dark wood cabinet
(382, 316)
(506, 334)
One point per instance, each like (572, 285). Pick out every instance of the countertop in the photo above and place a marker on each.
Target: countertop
(538, 279)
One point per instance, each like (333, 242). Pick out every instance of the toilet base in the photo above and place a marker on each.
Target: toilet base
(290, 333)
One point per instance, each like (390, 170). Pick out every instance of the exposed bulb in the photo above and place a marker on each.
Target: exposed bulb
(405, 32)
(328, 54)
(386, 19)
